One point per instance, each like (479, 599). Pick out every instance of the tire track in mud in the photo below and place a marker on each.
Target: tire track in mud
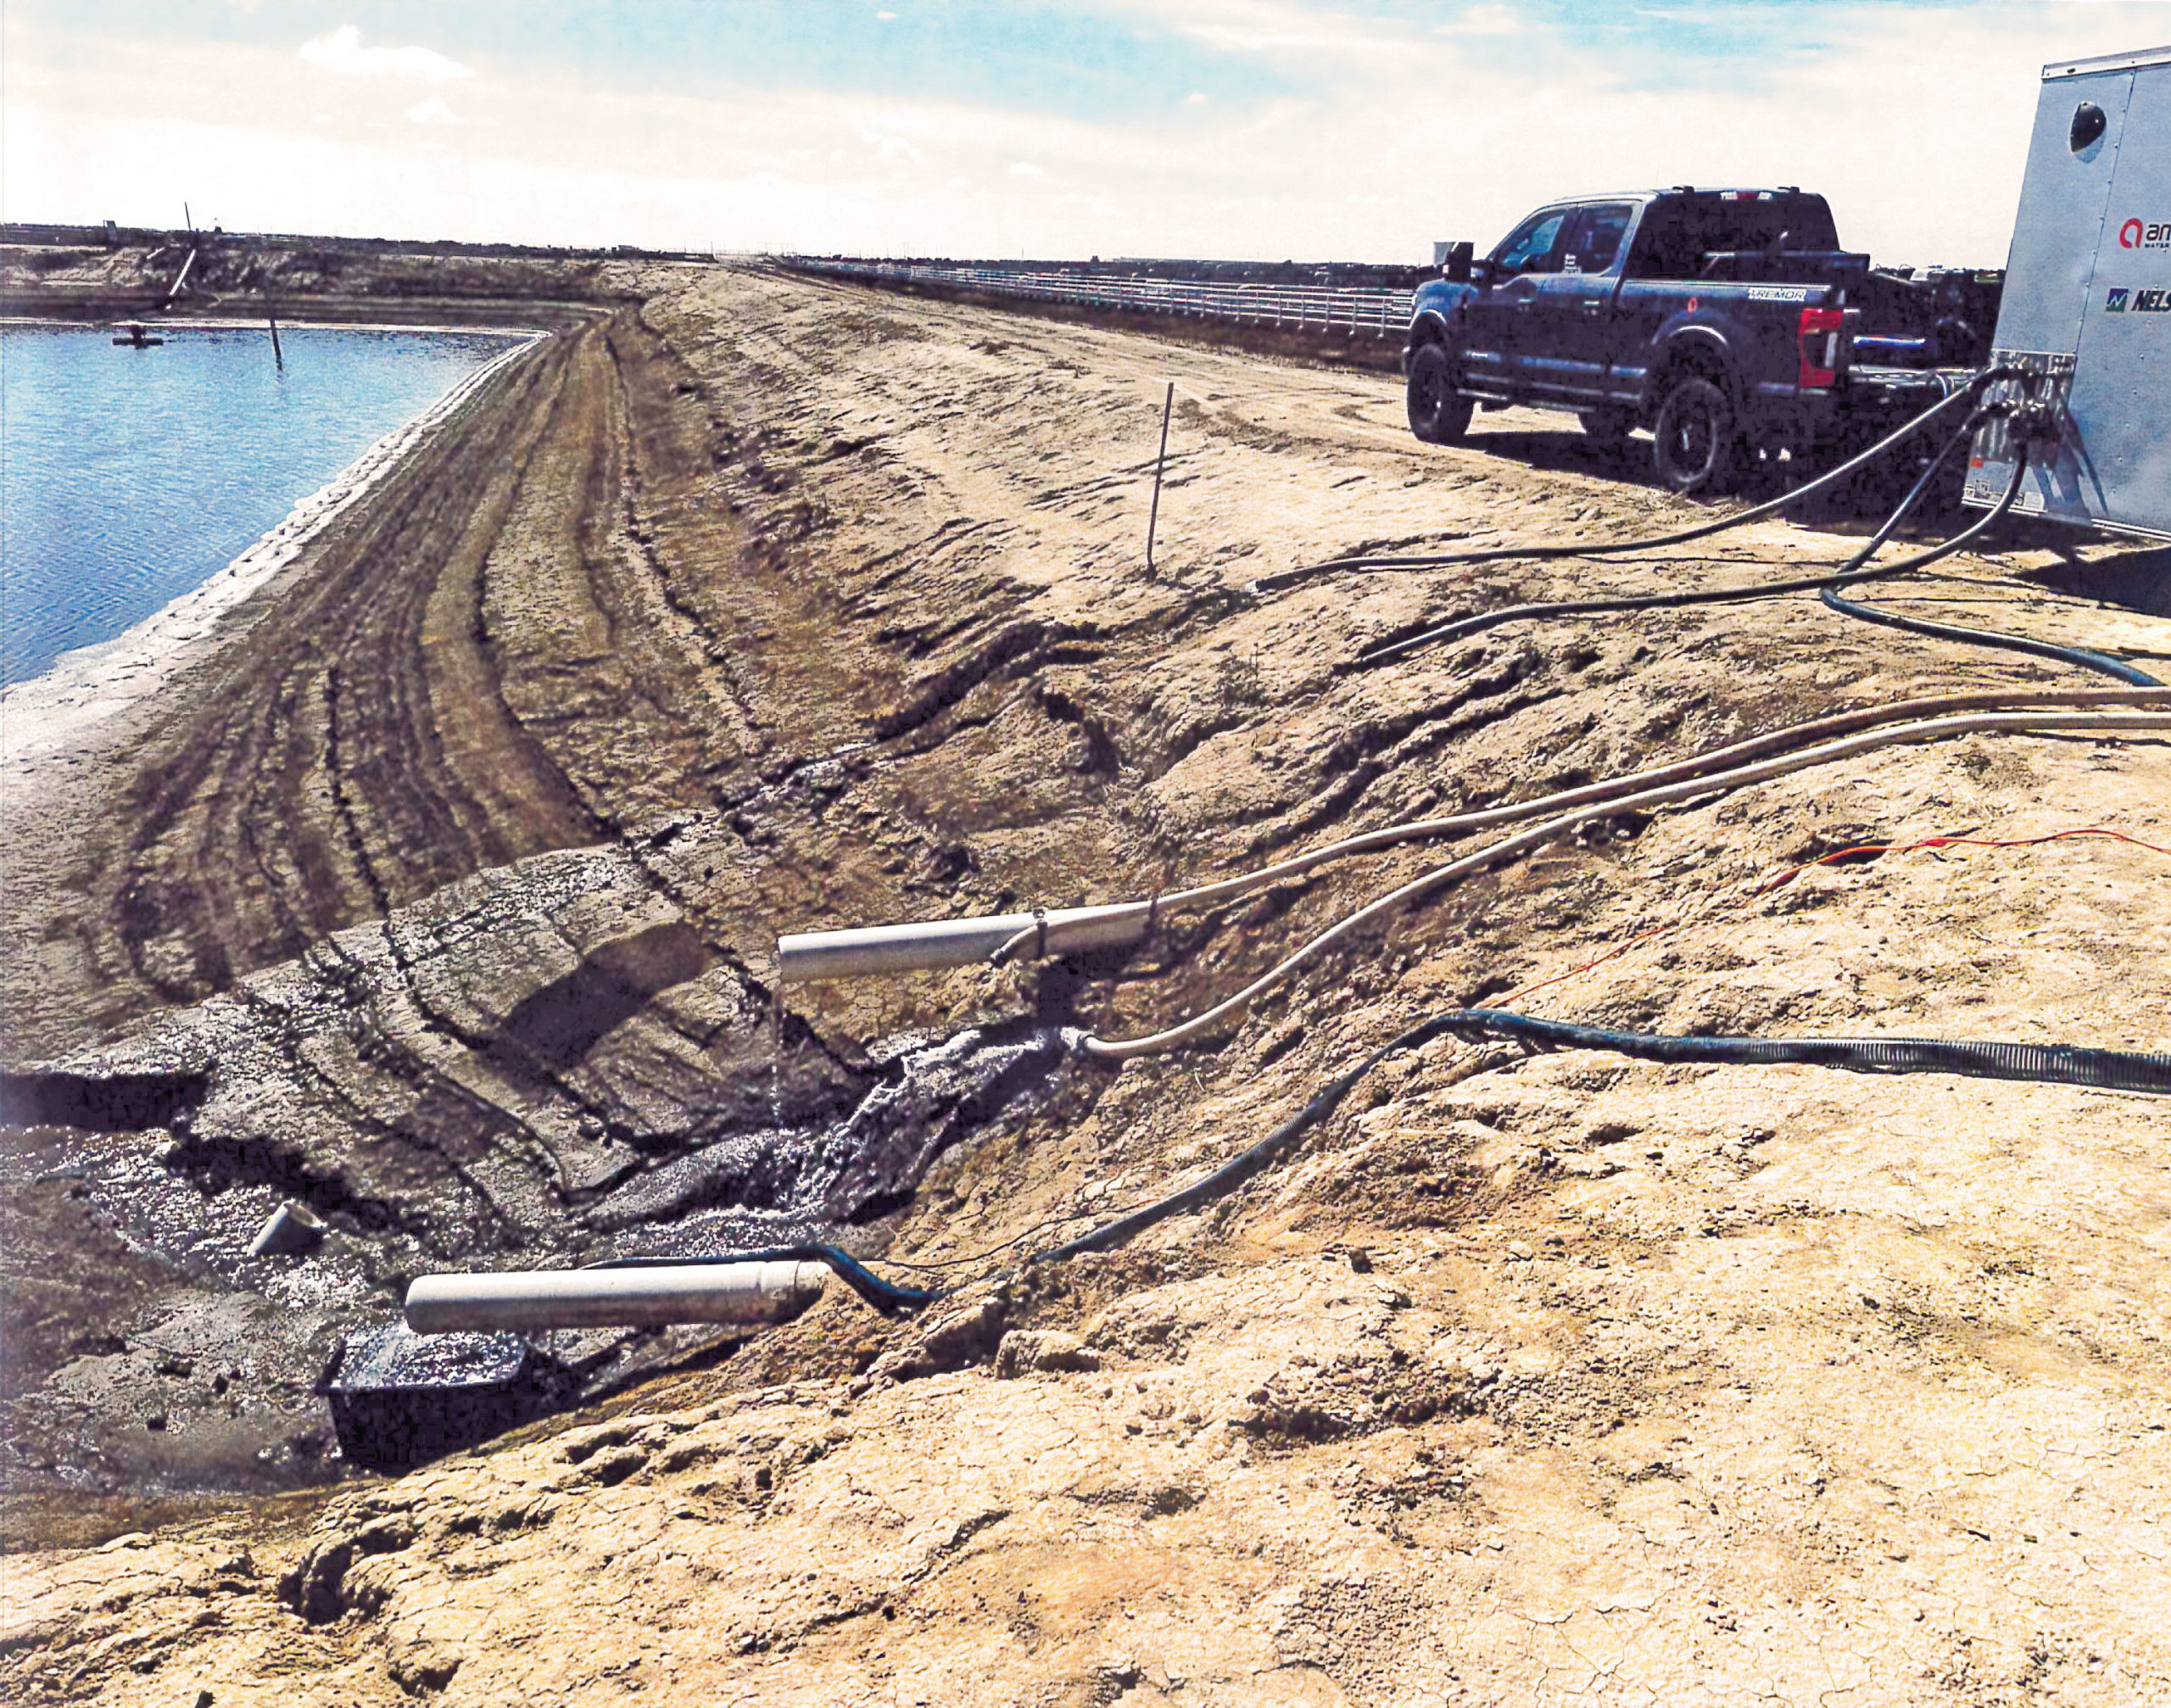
(374, 737)
(255, 765)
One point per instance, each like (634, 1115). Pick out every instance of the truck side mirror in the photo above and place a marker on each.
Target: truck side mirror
(1456, 269)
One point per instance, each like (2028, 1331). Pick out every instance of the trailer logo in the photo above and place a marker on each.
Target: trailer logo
(2154, 302)
(2137, 234)
(2115, 303)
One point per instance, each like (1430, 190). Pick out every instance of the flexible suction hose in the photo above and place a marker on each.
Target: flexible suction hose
(1717, 759)
(1060, 931)
(2018, 723)
(2061, 1065)
(2102, 662)
(1856, 568)
(1504, 554)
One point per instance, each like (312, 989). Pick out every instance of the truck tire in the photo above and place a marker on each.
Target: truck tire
(1608, 428)
(1697, 442)
(1437, 415)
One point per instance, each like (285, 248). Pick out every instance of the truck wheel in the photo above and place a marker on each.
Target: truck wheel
(1608, 428)
(1437, 415)
(1698, 445)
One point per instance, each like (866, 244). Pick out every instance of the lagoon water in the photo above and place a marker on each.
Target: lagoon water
(128, 476)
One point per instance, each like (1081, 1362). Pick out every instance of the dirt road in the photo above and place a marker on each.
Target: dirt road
(443, 898)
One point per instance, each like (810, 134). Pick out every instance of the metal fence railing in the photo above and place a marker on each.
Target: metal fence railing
(1326, 307)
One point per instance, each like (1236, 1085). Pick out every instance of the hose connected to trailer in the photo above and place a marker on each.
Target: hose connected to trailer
(2102, 662)
(2061, 1065)
(2058, 1065)
(1504, 554)
(1719, 759)
(1856, 568)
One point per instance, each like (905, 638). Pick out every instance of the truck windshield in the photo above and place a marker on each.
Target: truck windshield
(1680, 233)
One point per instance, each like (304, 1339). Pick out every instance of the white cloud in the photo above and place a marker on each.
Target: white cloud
(342, 52)
(1389, 136)
(1484, 20)
(885, 17)
(1197, 98)
(431, 111)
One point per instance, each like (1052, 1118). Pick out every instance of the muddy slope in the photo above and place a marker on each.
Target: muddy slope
(444, 903)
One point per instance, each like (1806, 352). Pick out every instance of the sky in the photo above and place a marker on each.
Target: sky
(1354, 130)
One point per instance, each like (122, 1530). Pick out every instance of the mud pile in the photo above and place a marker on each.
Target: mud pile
(442, 897)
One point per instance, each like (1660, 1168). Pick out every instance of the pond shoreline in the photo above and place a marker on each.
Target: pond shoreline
(50, 715)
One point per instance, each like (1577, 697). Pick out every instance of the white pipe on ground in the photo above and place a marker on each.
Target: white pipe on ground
(811, 956)
(644, 1297)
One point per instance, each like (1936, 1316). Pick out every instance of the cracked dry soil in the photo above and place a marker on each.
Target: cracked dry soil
(442, 896)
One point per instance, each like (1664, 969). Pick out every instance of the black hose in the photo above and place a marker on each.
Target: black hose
(1504, 554)
(2060, 1064)
(2047, 1064)
(1853, 570)
(2080, 656)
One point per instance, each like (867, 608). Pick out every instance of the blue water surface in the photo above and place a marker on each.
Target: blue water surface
(129, 477)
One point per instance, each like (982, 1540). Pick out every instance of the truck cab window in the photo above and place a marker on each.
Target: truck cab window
(1593, 243)
(1679, 234)
(1530, 248)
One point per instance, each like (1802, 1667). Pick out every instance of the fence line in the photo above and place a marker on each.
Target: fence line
(1326, 307)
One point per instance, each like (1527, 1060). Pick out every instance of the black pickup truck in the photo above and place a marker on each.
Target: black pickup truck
(1729, 322)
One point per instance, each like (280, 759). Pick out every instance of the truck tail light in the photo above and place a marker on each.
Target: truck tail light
(1817, 342)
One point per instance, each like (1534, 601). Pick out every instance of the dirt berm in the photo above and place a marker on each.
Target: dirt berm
(442, 895)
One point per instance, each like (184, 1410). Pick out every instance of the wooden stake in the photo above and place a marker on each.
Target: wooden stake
(1152, 519)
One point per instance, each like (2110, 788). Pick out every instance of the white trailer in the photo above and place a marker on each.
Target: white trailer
(2087, 309)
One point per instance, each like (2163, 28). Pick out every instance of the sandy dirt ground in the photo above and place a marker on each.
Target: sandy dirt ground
(443, 898)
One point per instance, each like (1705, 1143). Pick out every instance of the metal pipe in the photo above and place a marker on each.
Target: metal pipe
(810, 957)
(642, 1297)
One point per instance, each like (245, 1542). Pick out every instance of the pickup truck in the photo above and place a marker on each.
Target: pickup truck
(1729, 322)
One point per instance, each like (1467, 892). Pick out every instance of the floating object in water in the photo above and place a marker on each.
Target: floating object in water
(135, 339)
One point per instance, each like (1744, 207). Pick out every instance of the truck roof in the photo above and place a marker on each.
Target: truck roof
(1722, 193)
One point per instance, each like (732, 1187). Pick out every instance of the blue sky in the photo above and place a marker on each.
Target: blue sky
(1351, 128)
(1061, 59)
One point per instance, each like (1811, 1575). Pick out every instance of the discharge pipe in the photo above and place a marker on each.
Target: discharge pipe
(860, 952)
(649, 1296)
(811, 956)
